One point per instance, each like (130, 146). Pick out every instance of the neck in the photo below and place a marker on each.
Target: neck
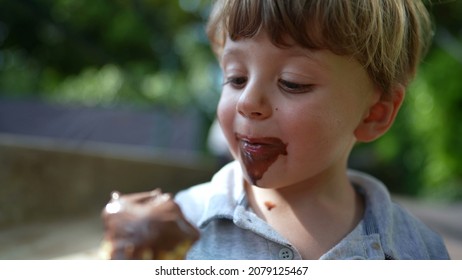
(322, 211)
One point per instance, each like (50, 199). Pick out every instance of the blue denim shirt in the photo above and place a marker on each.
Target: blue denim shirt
(231, 230)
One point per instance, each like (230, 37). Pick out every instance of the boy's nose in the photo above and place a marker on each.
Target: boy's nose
(254, 103)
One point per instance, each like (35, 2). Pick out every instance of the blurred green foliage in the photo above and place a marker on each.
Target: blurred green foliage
(422, 153)
(108, 52)
(151, 52)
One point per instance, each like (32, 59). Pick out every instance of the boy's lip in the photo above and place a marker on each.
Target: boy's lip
(261, 145)
(259, 140)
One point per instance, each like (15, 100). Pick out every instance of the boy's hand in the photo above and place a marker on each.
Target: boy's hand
(148, 225)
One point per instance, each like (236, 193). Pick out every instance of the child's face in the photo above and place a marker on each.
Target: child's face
(289, 114)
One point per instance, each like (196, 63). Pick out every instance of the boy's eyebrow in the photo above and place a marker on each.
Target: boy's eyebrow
(229, 52)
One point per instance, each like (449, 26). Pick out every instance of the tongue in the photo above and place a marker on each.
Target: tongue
(257, 158)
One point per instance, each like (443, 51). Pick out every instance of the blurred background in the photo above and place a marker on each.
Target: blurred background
(109, 95)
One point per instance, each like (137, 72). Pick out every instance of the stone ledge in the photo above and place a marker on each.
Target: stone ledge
(46, 178)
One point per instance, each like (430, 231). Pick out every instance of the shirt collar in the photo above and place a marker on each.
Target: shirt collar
(363, 242)
(228, 188)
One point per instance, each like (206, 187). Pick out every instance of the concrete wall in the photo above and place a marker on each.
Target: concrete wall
(43, 178)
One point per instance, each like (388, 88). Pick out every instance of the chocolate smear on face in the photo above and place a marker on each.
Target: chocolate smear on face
(269, 205)
(258, 155)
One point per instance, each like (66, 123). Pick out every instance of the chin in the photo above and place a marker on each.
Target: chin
(264, 183)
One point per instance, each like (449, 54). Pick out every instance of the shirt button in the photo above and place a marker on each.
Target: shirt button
(286, 254)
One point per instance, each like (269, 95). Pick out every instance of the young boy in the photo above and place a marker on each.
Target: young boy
(303, 82)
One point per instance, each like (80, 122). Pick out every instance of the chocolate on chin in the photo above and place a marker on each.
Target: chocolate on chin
(147, 225)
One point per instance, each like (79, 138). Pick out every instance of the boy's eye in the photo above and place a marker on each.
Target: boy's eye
(236, 82)
(292, 87)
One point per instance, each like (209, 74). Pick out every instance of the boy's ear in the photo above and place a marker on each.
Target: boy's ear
(381, 115)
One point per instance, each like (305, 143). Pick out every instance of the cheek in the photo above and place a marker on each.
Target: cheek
(225, 113)
(317, 134)
(310, 131)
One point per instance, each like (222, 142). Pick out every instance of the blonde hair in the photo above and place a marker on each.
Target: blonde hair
(388, 37)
